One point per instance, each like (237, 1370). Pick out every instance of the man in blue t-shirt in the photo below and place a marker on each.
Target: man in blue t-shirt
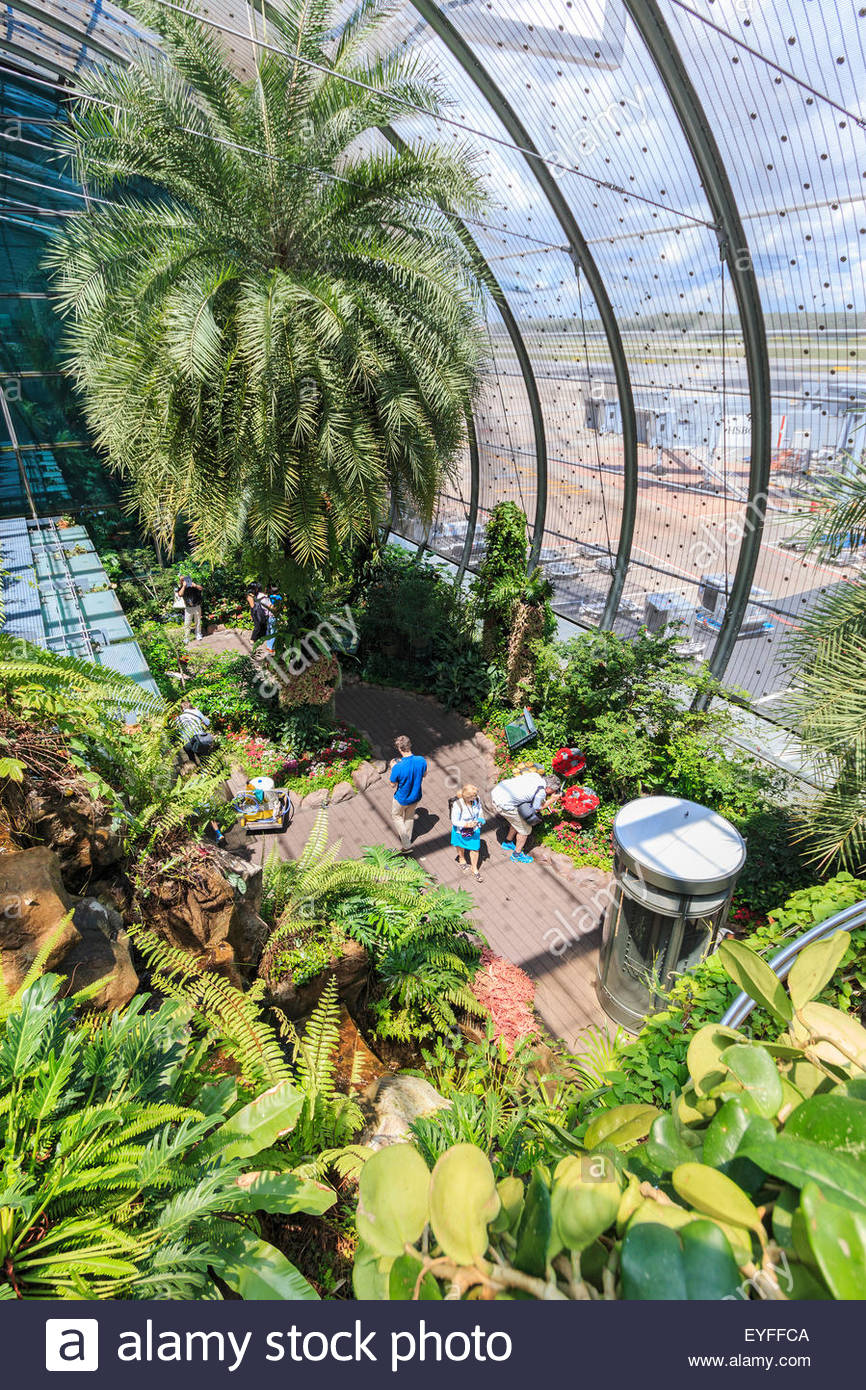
(407, 774)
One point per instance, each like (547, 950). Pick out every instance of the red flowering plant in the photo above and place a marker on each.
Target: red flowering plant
(507, 993)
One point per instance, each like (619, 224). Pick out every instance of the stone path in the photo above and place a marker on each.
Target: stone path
(523, 910)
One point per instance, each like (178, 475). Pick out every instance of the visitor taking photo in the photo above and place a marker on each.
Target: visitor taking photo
(521, 801)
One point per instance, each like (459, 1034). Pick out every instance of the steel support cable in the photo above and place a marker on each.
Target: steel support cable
(581, 258)
(734, 246)
(499, 298)
(527, 148)
(595, 424)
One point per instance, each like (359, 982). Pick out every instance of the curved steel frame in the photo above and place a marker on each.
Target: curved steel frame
(735, 251)
(497, 294)
(582, 259)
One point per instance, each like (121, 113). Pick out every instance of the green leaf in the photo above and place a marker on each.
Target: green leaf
(835, 1121)
(371, 1274)
(714, 1194)
(724, 1133)
(693, 1263)
(754, 976)
(665, 1148)
(403, 1281)
(510, 1191)
(392, 1199)
(282, 1192)
(536, 1224)
(258, 1125)
(844, 1034)
(799, 1161)
(815, 967)
(755, 1069)
(255, 1269)
(838, 1240)
(585, 1199)
(622, 1126)
(704, 1057)
(463, 1202)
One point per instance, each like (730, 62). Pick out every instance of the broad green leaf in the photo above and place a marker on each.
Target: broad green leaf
(255, 1269)
(843, 1033)
(755, 1069)
(704, 1057)
(282, 1192)
(622, 1126)
(510, 1191)
(665, 1148)
(585, 1200)
(392, 1199)
(694, 1263)
(536, 1225)
(258, 1125)
(724, 1133)
(463, 1202)
(371, 1274)
(712, 1193)
(838, 1240)
(404, 1283)
(836, 1122)
(754, 976)
(798, 1161)
(815, 967)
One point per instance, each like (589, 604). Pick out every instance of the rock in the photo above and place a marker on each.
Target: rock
(379, 765)
(356, 1067)
(82, 832)
(192, 908)
(87, 936)
(33, 905)
(397, 1101)
(245, 877)
(351, 970)
(364, 775)
(314, 801)
(342, 792)
(561, 864)
(104, 953)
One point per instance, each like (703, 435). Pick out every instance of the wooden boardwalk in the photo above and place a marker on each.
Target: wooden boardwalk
(518, 906)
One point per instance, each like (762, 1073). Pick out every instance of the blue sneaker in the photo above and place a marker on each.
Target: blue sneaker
(507, 845)
(522, 858)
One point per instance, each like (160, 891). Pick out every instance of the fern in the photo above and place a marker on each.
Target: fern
(329, 1118)
(230, 1014)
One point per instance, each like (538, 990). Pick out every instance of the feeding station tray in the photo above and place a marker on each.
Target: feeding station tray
(579, 802)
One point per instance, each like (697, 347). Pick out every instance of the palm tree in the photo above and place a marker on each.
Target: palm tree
(827, 703)
(270, 318)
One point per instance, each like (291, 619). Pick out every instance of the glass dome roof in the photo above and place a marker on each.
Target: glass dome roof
(677, 331)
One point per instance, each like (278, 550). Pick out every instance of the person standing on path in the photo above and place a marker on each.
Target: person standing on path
(260, 609)
(520, 801)
(467, 818)
(407, 775)
(192, 600)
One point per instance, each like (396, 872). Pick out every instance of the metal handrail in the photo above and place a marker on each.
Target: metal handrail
(854, 916)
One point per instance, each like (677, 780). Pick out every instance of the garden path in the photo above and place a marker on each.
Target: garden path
(516, 904)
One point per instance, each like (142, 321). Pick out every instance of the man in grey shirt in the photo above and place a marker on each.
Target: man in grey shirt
(520, 801)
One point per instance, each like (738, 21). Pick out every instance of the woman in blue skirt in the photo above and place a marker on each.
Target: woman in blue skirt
(467, 818)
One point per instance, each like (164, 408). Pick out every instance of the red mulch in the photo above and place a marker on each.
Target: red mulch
(508, 992)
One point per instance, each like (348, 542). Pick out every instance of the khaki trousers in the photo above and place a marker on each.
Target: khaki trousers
(403, 817)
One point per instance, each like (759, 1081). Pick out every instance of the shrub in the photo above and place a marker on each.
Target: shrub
(752, 1184)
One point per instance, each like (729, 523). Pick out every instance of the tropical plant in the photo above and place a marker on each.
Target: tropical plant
(329, 1118)
(272, 323)
(827, 703)
(753, 1185)
(501, 575)
(299, 893)
(35, 682)
(127, 1171)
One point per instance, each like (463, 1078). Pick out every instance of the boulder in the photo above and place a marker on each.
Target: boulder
(355, 1067)
(351, 970)
(396, 1102)
(35, 910)
(314, 801)
(104, 954)
(364, 776)
(245, 876)
(342, 792)
(84, 833)
(192, 908)
(379, 765)
(87, 940)
(247, 931)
